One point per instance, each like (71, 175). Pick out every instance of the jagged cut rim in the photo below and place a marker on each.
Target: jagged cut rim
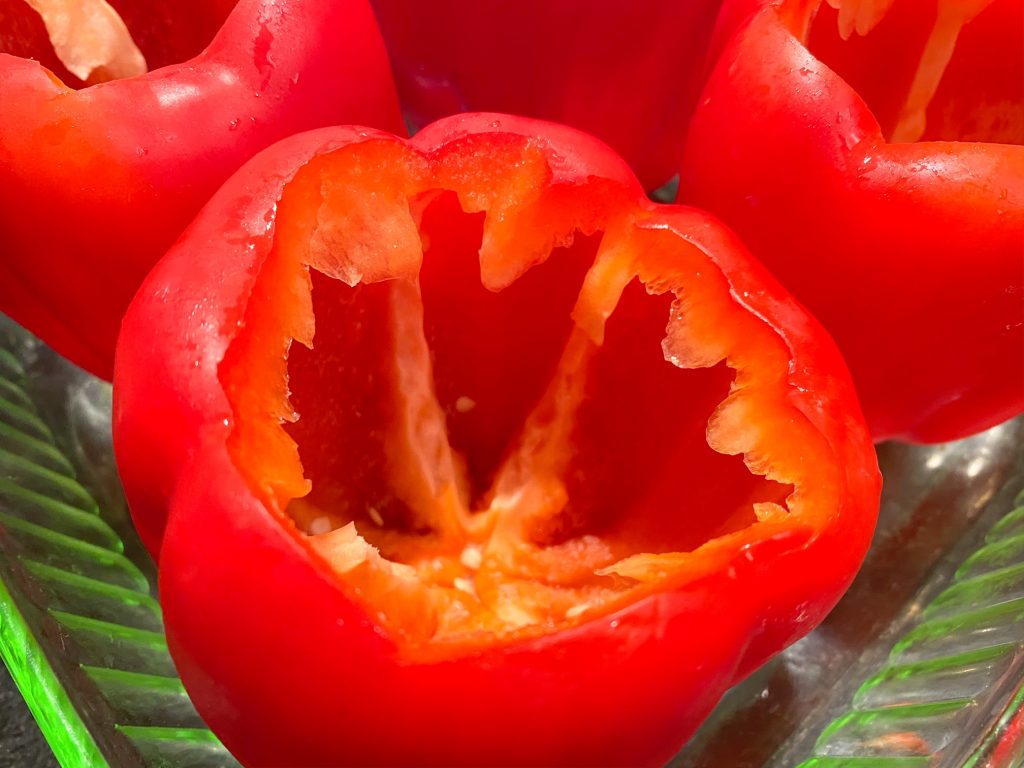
(757, 420)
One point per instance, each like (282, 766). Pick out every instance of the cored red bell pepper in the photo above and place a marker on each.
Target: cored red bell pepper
(627, 71)
(95, 184)
(881, 178)
(469, 454)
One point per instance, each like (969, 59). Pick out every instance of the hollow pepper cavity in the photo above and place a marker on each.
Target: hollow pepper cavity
(869, 153)
(96, 183)
(628, 72)
(476, 456)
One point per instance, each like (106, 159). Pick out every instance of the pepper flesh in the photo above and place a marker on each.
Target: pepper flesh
(125, 165)
(909, 253)
(498, 444)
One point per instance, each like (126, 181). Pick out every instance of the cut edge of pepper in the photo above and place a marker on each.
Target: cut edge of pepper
(860, 18)
(655, 254)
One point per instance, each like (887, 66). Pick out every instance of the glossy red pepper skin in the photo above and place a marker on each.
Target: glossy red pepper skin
(279, 654)
(96, 184)
(910, 254)
(628, 72)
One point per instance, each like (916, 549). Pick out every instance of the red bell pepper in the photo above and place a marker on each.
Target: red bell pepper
(469, 454)
(627, 71)
(883, 183)
(95, 184)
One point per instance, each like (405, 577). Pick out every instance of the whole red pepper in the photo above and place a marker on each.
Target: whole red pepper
(469, 454)
(96, 184)
(881, 179)
(627, 71)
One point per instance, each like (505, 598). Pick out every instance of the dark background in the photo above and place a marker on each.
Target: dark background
(21, 742)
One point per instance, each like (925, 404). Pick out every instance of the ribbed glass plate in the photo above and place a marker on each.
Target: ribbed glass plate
(950, 692)
(80, 628)
(921, 664)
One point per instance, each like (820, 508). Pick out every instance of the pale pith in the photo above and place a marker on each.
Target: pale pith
(90, 39)
(862, 16)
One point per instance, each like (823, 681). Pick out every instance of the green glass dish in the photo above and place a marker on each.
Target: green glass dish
(951, 690)
(81, 631)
